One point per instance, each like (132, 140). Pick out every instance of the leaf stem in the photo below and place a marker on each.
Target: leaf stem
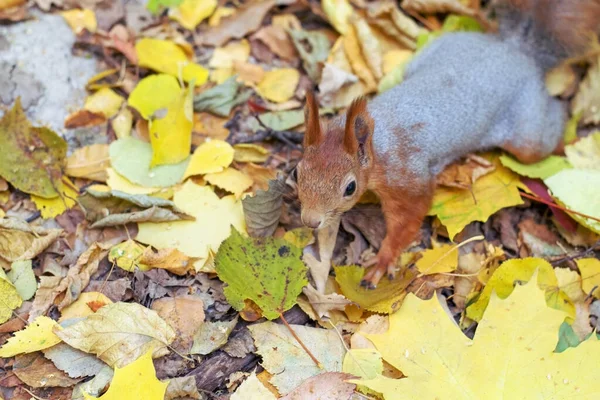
(317, 363)
(551, 204)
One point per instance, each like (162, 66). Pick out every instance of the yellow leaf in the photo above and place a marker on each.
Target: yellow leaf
(167, 57)
(279, 85)
(191, 12)
(220, 13)
(394, 58)
(200, 238)
(520, 270)
(50, 208)
(585, 153)
(89, 162)
(79, 20)
(512, 354)
(122, 123)
(252, 389)
(435, 261)
(105, 101)
(117, 181)
(136, 380)
(231, 180)
(248, 152)
(210, 157)
(220, 75)
(80, 308)
(226, 56)
(9, 298)
(127, 255)
(590, 275)
(370, 46)
(338, 12)
(153, 93)
(38, 335)
(170, 259)
(365, 363)
(457, 208)
(355, 57)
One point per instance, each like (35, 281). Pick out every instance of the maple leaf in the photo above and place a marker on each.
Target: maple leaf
(511, 355)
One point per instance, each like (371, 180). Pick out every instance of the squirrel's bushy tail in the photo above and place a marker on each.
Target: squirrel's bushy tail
(549, 30)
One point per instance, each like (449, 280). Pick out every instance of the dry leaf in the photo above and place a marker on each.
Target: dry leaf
(185, 314)
(587, 99)
(278, 41)
(437, 7)
(89, 162)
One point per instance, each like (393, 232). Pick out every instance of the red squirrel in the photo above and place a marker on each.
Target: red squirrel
(464, 92)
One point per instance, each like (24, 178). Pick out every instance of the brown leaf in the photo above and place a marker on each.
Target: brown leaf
(89, 162)
(84, 119)
(462, 174)
(387, 17)
(185, 314)
(537, 240)
(247, 19)
(263, 210)
(21, 241)
(172, 260)
(36, 371)
(437, 7)
(14, 14)
(587, 99)
(70, 286)
(182, 387)
(278, 41)
(322, 303)
(325, 386)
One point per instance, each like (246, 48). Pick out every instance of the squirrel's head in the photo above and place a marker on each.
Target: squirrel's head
(338, 157)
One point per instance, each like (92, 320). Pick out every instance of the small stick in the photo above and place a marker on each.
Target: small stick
(317, 363)
(551, 204)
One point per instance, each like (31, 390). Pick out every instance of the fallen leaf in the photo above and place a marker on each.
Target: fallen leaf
(247, 19)
(126, 255)
(212, 336)
(210, 157)
(200, 238)
(514, 271)
(313, 47)
(325, 386)
(137, 379)
(74, 362)
(288, 362)
(122, 122)
(231, 180)
(278, 41)
(457, 208)
(338, 12)
(543, 169)
(182, 387)
(590, 275)
(22, 277)
(273, 278)
(38, 372)
(50, 208)
(438, 260)
(364, 363)
(89, 162)
(84, 119)
(190, 13)
(105, 101)
(260, 175)
(21, 241)
(80, 19)
(462, 174)
(167, 57)
(94, 386)
(512, 352)
(119, 183)
(587, 99)
(263, 210)
(220, 12)
(561, 80)
(394, 23)
(172, 260)
(249, 152)
(119, 333)
(323, 303)
(252, 389)
(39, 153)
(137, 169)
(226, 56)
(354, 55)
(154, 6)
(578, 190)
(221, 99)
(370, 46)
(80, 308)
(437, 7)
(585, 153)
(279, 85)
(38, 335)
(185, 314)
(333, 80)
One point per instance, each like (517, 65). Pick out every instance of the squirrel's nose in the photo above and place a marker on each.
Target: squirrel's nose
(311, 219)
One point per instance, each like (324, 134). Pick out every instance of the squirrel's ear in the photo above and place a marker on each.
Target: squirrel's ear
(359, 126)
(313, 134)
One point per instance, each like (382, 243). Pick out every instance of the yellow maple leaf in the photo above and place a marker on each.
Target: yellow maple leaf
(512, 354)
(200, 238)
(590, 275)
(105, 101)
(210, 157)
(441, 259)
(191, 12)
(456, 208)
(50, 208)
(136, 380)
(80, 19)
(231, 180)
(38, 335)
(279, 85)
(167, 57)
(80, 308)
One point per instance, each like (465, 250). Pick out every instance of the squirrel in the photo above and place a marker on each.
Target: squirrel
(464, 92)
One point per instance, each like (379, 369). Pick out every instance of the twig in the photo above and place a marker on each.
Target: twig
(456, 247)
(317, 363)
(581, 254)
(554, 205)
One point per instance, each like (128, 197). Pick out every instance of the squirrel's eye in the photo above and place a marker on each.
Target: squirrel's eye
(350, 189)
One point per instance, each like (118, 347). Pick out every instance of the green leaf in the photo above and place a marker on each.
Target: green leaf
(154, 6)
(222, 98)
(267, 271)
(131, 158)
(453, 23)
(566, 338)
(313, 48)
(578, 190)
(31, 159)
(22, 276)
(543, 169)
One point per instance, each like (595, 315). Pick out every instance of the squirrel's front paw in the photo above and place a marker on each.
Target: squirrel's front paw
(376, 272)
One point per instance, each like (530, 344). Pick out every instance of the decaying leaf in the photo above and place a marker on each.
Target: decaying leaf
(325, 386)
(221, 99)
(323, 303)
(126, 255)
(182, 387)
(313, 48)
(462, 174)
(263, 210)
(119, 333)
(21, 241)
(39, 153)
(172, 260)
(38, 372)
(185, 314)
(273, 278)
(89, 162)
(211, 336)
(74, 362)
(587, 99)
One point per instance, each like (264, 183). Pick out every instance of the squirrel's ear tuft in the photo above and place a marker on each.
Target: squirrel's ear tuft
(359, 126)
(313, 134)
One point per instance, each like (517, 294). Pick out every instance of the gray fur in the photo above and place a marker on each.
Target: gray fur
(465, 92)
